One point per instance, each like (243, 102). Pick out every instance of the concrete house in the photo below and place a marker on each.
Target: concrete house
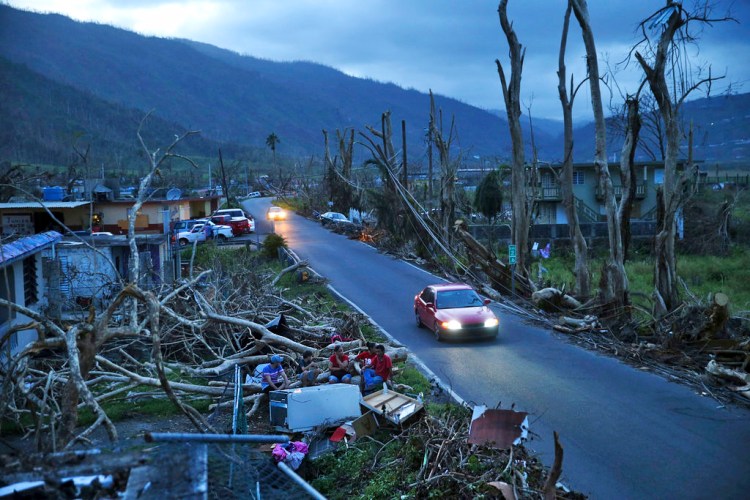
(23, 281)
(32, 217)
(154, 215)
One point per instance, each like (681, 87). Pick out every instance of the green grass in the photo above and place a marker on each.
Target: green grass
(117, 410)
(412, 377)
(703, 275)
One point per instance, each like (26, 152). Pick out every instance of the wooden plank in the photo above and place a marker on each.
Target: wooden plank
(383, 399)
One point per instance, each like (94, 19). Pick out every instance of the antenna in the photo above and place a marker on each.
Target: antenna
(174, 194)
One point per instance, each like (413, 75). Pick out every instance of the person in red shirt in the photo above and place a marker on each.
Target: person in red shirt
(380, 371)
(339, 366)
(364, 358)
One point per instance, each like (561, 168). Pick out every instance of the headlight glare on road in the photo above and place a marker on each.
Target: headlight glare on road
(452, 325)
(489, 323)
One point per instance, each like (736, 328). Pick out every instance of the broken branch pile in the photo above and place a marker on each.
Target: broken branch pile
(436, 452)
(182, 339)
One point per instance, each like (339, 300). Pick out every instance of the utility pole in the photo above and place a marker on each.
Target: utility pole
(209, 177)
(405, 180)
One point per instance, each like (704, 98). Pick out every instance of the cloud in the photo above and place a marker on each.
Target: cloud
(444, 45)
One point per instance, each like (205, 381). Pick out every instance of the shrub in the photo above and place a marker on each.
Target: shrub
(271, 245)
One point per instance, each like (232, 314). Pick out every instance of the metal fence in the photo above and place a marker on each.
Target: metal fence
(189, 467)
(218, 466)
(639, 229)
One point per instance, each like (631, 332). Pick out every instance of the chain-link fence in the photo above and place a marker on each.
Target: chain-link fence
(217, 470)
(219, 466)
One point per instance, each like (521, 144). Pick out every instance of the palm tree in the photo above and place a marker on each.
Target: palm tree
(271, 141)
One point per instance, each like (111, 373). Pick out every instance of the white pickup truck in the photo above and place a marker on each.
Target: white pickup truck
(198, 233)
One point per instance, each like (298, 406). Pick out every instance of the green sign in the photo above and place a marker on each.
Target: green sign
(511, 254)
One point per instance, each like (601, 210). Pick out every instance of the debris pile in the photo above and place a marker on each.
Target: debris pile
(439, 452)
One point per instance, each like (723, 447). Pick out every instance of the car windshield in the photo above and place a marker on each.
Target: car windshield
(452, 299)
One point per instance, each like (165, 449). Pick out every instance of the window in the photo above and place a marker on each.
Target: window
(659, 176)
(7, 292)
(30, 289)
(578, 177)
(548, 180)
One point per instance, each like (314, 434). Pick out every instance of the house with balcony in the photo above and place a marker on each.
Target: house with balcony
(589, 199)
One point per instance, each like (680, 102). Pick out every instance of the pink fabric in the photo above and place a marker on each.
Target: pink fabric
(283, 452)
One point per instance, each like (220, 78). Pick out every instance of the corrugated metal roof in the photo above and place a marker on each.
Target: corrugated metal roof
(11, 252)
(47, 204)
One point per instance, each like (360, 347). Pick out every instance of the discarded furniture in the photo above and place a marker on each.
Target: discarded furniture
(395, 407)
(304, 408)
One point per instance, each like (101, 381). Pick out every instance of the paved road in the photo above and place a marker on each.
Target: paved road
(626, 433)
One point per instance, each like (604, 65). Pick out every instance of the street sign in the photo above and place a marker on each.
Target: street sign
(511, 254)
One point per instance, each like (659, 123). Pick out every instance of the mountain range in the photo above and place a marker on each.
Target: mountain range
(69, 83)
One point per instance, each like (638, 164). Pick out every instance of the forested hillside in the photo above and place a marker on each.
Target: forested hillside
(64, 79)
(229, 97)
(44, 122)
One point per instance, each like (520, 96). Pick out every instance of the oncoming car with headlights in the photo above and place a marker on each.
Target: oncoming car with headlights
(276, 213)
(455, 310)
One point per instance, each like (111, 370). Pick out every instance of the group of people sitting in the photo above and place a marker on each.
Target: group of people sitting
(374, 365)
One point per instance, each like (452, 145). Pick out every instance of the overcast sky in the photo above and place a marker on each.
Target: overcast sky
(448, 46)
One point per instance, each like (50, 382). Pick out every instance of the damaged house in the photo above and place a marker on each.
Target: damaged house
(23, 281)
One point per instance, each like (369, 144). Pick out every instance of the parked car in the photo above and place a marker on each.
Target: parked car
(219, 231)
(183, 225)
(336, 217)
(276, 213)
(189, 236)
(455, 310)
(241, 222)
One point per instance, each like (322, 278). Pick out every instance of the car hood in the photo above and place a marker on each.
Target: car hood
(466, 315)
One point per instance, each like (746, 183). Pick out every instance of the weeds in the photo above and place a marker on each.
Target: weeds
(703, 275)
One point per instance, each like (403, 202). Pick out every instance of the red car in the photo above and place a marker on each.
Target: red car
(235, 217)
(454, 310)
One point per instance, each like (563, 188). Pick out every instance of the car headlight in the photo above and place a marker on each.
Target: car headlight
(489, 323)
(452, 325)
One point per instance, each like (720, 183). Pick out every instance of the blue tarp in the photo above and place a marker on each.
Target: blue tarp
(23, 247)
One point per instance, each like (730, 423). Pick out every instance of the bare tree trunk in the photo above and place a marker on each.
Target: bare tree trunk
(224, 179)
(580, 247)
(665, 267)
(521, 214)
(448, 170)
(430, 174)
(627, 171)
(341, 192)
(666, 76)
(614, 282)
